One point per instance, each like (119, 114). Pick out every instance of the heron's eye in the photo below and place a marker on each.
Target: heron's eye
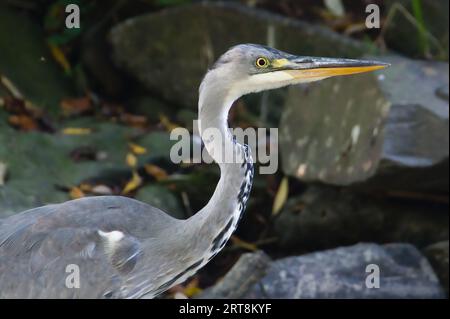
(262, 62)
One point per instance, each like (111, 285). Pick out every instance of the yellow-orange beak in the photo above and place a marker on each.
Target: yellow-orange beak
(328, 72)
(318, 68)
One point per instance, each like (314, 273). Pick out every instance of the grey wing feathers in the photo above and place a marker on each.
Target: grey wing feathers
(123, 251)
(102, 235)
(15, 231)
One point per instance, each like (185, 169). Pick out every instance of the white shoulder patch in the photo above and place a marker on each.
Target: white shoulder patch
(121, 249)
(112, 237)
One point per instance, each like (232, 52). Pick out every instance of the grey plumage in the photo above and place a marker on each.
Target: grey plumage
(128, 249)
(36, 246)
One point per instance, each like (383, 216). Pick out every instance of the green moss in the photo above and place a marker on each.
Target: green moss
(26, 61)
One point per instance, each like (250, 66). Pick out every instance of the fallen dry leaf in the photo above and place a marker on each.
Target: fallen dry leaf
(131, 160)
(179, 295)
(157, 172)
(3, 168)
(133, 184)
(23, 122)
(85, 188)
(60, 57)
(243, 244)
(14, 105)
(133, 120)
(11, 87)
(76, 131)
(76, 106)
(192, 288)
(168, 125)
(281, 196)
(20, 106)
(355, 28)
(137, 149)
(336, 7)
(76, 192)
(101, 190)
(84, 153)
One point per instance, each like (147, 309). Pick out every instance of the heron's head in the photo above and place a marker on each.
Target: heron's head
(248, 68)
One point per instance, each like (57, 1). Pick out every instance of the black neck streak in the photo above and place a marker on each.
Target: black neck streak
(244, 192)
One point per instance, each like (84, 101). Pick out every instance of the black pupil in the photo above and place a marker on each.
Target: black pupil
(261, 62)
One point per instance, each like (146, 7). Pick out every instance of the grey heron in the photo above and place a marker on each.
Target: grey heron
(124, 248)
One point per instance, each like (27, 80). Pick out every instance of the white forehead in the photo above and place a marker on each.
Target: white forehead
(244, 53)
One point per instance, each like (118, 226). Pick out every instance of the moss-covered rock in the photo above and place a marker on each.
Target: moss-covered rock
(341, 274)
(26, 61)
(388, 130)
(405, 37)
(437, 254)
(41, 166)
(327, 217)
(161, 197)
(171, 59)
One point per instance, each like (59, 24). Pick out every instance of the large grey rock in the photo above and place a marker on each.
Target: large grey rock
(327, 217)
(247, 271)
(404, 36)
(40, 165)
(437, 254)
(95, 57)
(26, 62)
(161, 197)
(341, 273)
(171, 59)
(388, 129)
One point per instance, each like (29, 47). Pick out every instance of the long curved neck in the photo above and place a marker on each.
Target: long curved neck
(214, 224)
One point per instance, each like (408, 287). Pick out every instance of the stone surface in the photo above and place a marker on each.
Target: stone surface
(388, 129)
(437, 254)
(163, 198)
(171, 59)
(327, 217)
(150, 107)
(95, 57)
(40, 165)
(3, 170)
(248, 270)
(341, 273)
(403, 36)
(26, 62)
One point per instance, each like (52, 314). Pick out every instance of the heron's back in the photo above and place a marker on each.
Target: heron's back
(98, 240)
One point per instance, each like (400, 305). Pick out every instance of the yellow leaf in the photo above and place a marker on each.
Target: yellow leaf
(243, 244)
(192, 291)
(3, 170)
(76, 131)
(192, 288)
(281, 196)
(137, 149)
(85, 187)
(60, 57)
(157, 172)
(168, 125)
(133, 184)
(10, 86)
(131, 160)
(76, 193)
